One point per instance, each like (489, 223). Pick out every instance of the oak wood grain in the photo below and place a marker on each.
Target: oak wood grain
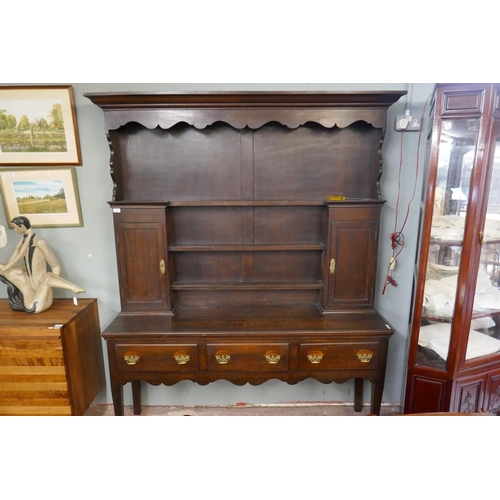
(50, 363)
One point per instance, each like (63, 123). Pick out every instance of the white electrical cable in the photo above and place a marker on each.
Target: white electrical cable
(409, 96)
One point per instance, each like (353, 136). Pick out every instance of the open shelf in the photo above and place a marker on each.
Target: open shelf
(246, 203)
(315, 285)
(245, 248)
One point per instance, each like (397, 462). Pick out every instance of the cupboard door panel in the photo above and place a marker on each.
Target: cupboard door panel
(425, 395)
(468, 100)
(142, 259)
(351, 264)
(468, 392)
(492, 401)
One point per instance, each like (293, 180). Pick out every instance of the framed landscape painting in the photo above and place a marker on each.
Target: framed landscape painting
(47, 197)
(38, 126)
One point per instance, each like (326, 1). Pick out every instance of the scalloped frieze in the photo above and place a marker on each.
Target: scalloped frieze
(241, 118)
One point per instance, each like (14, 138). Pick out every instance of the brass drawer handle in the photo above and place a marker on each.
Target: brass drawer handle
(182, 359)
(273, 359)
(315, 359)
(131, 360)
(222, 359)
(365, 357)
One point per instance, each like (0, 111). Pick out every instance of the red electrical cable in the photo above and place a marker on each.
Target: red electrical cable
(397, 237)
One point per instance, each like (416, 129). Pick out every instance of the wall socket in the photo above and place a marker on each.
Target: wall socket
(407, 122)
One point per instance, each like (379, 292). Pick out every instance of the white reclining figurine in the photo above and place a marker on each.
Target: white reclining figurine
(30, 287)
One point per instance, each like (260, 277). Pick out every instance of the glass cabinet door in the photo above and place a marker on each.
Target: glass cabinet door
(457, 148)
(484, 334)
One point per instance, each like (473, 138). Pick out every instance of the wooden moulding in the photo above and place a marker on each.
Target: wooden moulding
(291, 109)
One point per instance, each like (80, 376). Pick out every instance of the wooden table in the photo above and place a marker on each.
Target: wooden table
(285, 343)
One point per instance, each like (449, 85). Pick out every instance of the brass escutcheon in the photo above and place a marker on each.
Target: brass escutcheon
(181, 359)
(222, 359)
(131, 360)
(332, 266)
(162, 266)
(273, 359)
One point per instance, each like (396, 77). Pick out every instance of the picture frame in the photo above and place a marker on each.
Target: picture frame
(38, 126)
(48, 197)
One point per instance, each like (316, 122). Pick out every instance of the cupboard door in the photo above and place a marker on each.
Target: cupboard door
(141, 242)
(467, 394)
(492, 398)
(477, 394)
(352, 257)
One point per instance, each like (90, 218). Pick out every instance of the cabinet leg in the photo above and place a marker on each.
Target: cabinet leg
(136, 396)
(376, 403)
(117, 394)
(358, 394)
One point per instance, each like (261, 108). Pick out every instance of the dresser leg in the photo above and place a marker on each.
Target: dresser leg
(117, 393)
(136, 396)
(358, 394)
(376, 403)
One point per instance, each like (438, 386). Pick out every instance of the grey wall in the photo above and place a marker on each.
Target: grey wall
(88, 258)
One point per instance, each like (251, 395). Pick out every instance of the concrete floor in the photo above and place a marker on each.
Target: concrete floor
(321, 409)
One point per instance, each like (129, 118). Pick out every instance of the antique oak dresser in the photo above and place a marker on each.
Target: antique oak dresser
(246, 230)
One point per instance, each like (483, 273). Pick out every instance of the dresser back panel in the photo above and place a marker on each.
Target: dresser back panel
(219, 162)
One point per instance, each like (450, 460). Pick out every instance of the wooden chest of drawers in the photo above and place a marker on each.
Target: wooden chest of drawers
(288, 344)
(50, 363)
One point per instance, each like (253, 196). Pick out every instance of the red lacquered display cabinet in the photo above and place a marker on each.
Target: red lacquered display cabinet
(454, 352)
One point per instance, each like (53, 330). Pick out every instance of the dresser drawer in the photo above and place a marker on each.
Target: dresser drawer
(339, 356)
(157, 357)
(248, 357)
